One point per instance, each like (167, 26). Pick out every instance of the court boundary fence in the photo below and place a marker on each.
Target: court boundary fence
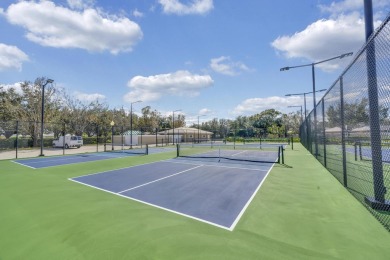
(348, 131)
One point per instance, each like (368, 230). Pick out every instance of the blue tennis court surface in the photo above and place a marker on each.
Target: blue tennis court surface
(43, 162)
(211, 192)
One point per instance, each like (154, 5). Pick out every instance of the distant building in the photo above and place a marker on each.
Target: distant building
(187, 134)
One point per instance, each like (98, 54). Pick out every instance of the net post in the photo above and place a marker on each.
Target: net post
(177, 150)
(360, 151)
(147, 149)
(282, 149)
(279, 154)
(292, 143)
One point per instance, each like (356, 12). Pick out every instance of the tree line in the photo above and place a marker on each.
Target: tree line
(66, 113)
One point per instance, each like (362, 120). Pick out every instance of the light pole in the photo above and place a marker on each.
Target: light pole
(173, 125)
(112, 135)
(131, 122)
(304, 98)
(199, 126)
(43, 111)
(314, 89)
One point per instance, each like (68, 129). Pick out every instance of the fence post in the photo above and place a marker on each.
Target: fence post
(141, 137)
(376, 149)
(97, 138)
(156, 137)
(355, 148)
(17, 135)
(63, 139)
(292, 143)
(343, 133)
(323, 127)
(122, 144)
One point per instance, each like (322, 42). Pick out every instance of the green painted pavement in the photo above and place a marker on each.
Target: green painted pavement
(300, 212)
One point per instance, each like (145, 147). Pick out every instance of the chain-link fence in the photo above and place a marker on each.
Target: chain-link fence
(350, 133)
(20, 139)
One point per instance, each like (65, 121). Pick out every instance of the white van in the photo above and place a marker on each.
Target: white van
(70, 141)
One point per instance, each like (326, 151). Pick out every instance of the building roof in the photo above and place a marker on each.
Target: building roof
(185, 130)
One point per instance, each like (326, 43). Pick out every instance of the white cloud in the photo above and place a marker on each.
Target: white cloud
(15, 86)
(88, 97)
(350, 5)
(323, 39)
(81, 4)
(180, 83)
(226, 66)
(60, 27)
(204, 111)
(138, 14)
(256, 105)
(342, 6)
(195, 7)
(11, 57)
(342, 32)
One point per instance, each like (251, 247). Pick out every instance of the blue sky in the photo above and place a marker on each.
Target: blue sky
(220, 58)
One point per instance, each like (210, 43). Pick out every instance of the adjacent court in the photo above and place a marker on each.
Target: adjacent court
(210, 192)
(43, 162)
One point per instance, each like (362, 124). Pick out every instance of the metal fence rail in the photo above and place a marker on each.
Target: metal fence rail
(346, 127)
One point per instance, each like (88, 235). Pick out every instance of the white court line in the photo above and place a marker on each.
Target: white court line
(250, 200)
(160, 179)
(153, 205)
(128, 167)
(231, 228)
(52, 159)
(67, 157)
(238, 153)
(24, 165)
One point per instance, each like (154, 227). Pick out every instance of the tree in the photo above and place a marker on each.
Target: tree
(30, 106)
(355, 114)
(266, 119)
(151, 119)
(9, 105)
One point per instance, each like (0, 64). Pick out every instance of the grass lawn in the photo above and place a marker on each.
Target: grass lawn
(300, 212)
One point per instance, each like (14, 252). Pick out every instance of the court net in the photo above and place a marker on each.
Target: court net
(230, 152)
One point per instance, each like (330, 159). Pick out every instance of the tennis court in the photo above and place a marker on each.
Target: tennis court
(43, 162)
(211, 192)
(299, 211)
